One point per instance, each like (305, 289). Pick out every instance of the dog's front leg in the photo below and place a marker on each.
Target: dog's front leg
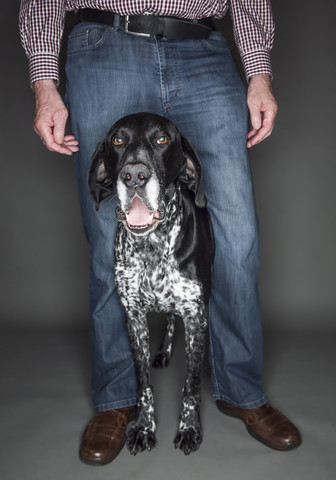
(189, 434)
(164, 353)
(141, 435)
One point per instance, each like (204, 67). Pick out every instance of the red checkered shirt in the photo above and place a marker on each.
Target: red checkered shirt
(41, 27)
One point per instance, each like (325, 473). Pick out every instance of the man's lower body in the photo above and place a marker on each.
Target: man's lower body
(193, 83)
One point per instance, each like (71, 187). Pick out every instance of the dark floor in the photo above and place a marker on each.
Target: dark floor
(45, 404)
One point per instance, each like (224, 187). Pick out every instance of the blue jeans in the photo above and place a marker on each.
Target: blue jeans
(193, 83)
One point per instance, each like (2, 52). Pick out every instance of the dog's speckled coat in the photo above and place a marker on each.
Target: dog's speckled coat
(166, 269)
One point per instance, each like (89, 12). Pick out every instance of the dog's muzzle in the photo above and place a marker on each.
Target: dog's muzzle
(138, 191)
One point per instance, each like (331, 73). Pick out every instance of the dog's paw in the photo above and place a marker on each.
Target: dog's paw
(161, 360)
(188, 439)
(140, 439)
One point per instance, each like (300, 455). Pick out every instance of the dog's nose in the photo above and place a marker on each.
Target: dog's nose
(135, 175)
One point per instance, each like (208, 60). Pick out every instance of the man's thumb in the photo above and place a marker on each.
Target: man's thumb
(59, 126)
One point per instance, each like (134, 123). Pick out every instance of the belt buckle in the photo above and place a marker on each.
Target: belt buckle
(137, 34)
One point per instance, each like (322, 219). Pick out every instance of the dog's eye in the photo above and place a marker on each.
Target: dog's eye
(118, 141)
(162, 140)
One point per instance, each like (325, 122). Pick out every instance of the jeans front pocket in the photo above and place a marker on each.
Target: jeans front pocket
(216, 42)
(86, 36)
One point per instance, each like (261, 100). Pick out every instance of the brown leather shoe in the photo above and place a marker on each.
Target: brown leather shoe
(266, 424)
(105, 436)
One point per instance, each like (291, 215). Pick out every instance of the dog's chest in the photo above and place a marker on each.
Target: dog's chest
(147, 273)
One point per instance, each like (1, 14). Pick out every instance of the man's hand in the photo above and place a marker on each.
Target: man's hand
(263, 109)
(50, 119)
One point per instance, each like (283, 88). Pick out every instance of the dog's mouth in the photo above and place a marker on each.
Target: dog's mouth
(138, 218)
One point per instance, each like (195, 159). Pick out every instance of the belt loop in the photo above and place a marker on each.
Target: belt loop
(116, 22)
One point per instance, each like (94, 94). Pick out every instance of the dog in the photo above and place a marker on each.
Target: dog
(164, 250)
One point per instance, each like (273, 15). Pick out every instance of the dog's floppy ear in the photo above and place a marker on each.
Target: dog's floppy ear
(191, 173)
(100, 185)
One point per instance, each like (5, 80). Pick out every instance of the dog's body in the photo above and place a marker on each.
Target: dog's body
(163, 255)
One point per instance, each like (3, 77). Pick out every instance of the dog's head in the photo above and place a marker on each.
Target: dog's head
(143, 156)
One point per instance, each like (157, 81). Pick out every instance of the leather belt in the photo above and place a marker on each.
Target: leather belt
(147, 25)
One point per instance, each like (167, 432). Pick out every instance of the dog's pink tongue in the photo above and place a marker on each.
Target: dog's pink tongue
(139, 213)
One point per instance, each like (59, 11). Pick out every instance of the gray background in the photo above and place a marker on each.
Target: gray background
(45, 359)
(44, 254)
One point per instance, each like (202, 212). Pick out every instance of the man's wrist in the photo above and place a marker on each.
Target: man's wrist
(46, 94)
(261, 78)
(46, 84)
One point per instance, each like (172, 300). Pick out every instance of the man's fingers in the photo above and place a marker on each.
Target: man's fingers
(69, 140)
(251, 134)
(59, 134)
(53, 136)
(256, 136)
(259, 137)
(45, 133)
(68, 147)
(255, 116)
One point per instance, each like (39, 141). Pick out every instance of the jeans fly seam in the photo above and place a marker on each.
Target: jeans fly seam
(164, 100)
(177, 74)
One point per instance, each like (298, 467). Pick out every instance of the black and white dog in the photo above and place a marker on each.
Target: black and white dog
(163, 255)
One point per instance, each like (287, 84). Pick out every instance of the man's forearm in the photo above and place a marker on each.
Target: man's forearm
(253, 28)
(41, 26)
